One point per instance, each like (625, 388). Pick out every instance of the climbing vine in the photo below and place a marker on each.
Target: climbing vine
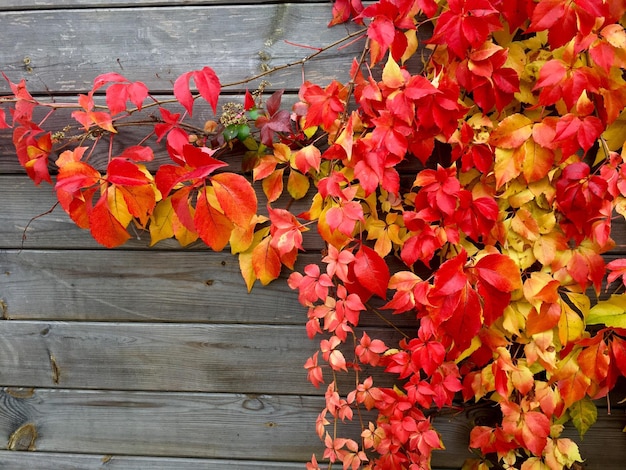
(468, 183)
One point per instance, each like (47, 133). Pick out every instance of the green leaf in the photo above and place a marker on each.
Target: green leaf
(584, 414)
(231, 132)
(611, 312)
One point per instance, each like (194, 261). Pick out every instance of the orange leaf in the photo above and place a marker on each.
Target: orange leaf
(512, 132)
(307, 158)
(499, 271)
(273, 185)
(236, 197)
(537, 161)
(544, 319)
(266, 261)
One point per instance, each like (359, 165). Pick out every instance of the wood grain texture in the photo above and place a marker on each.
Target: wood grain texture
(157, 357)
(57, 461)
(259, 427)
(119, 285)
(156, 45)
(9, 5)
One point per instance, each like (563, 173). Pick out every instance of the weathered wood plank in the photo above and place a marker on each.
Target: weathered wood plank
(156, 45)
(157, 357)
(59, 4)
(117, 285)
(164, 357)
(57, 461)
(219, 426)
(146, 286)
(228, 426)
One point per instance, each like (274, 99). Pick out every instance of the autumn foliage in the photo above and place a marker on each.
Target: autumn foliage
(467, 184)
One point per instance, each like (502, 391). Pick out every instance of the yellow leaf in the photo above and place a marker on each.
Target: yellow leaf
(242, 238)
(161, 227)
(474, 345)
(412, 43)
(615, 135)
(514, 317)
(611, 312)
(297, 184)
(571, 325)
(117, 205)
(245, 259)
(282, 153)
(584, 414)
(392, 74)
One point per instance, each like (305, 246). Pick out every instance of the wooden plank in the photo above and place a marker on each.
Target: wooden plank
(58, 461)
(64, 50)
(221, 426)
(118, 285)
(227, 426)
(140, 356)
(10, 5)
(146, 286)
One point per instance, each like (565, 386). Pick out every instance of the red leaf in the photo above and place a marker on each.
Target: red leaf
(137, 92)
(126, 173)
(464, 318)
(618, 269)
(371, 271)
(618, 349)
(324, 104)
(3, 122)
(206, 82)
(499, 271)
(535, 431)
(138, 153)
(116, 98)
(213, 227)
(208, 85)
(105, 78)
(286, 231)
(450, 277)
(465, 25)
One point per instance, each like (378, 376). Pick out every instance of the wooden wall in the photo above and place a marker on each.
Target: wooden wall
(141, 358)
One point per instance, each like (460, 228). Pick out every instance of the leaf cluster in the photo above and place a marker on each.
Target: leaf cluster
(488, 162)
